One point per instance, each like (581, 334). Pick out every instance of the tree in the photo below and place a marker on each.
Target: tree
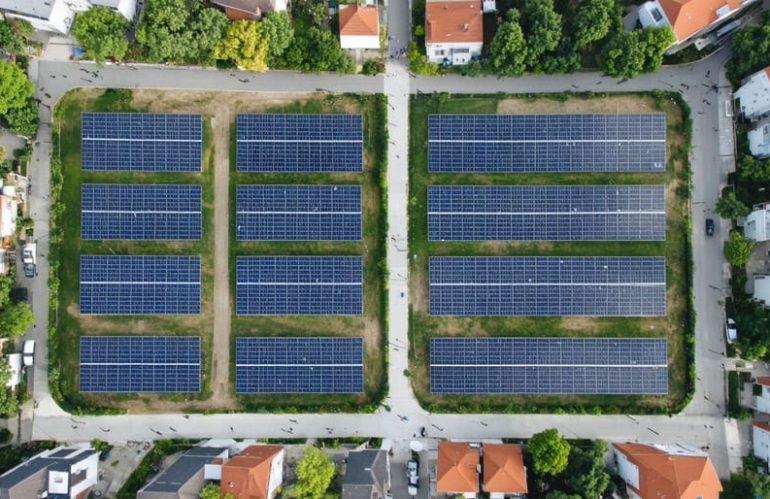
(753, 332)
(314, 474)
(210, 491)
(508, 50)
(244, 45)
(11, 40)
(586, 474)
(592, 22)
(317, 50)
(558, 494)
(102, 33)
(549, 451)
(738, 249)
(23, 120)
(623, 55)
(419, 63)
(15, 319)
(6, 284)
(9, 402)
(15, 87)
(99, 445)
(753, 169)
(729, 206)
(207, 26)
(760, 484)
(278, 34)
(654, 42)
(542, 26)
(752, 43)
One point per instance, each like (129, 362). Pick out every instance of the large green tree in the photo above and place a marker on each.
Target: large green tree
(11, 39)
(15, 318)
(314, 474)
(278, 33)
(9, 402)
(752, 325)
(542, 27)
(549, 451)
(738, 249)
(655, 41)
(102, 33)
(245, 45)
(314, 49)
(508, 50)
(754, 169)
(592, 22)
(623, 55)
(751, 49)
(586, 474)
(23, 120)
(15, 87)
(729, 206)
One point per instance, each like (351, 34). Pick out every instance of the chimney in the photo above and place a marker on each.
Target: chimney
(466, 26)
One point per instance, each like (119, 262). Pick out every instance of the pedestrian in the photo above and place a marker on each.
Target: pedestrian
(231, 429)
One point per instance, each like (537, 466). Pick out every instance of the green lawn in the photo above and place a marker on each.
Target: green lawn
(675, 325)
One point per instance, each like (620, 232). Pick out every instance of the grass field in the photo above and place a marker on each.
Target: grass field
(674, 325)
(372, 324)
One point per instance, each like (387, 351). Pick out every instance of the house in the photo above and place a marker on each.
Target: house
(757, 224)
(759, 139)
(57, 15)
(762, 290)
(254, 473)
(457, 469)
(753, 96)
(15, 365)
(454, 31)
(367, 475)
(186, 477)
(762, 401)
(504, 471)
(671, 471)
(237, 10)
(9, 211)
(359, 27)
(64, 472)
(761, 437)
(693, 20)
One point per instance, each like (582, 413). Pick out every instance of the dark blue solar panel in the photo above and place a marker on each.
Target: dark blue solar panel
(298, 213)
(147, 211)
(500, 286)
(139, 364)
(549, 365)
(128, 284)
(299, 285)
(299, 143)
(299, 365)
(141, 142)
(530, 143)
(547, 213)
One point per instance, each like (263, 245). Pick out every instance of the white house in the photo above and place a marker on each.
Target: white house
(9, 210)
(761, 437)
(57, 15)
(68, 472)
(693, 20)
(757, 225)
(359, 27)
(759, 139)
(762, 401)
(762, 290)
(15, 365)
(454, 31)
(753, 97)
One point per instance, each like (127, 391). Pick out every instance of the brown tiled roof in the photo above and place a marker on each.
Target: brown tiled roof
(453, 22)
(504, 469)
(671, 476)
(690, 16)
(767, 72)
(252, 7)
(760, 424)
(764, 380)
(247, 475)
(359, 20)
(457, 467)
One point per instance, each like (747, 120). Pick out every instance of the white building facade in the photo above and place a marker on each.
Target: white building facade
(753, 97)
(57, 15)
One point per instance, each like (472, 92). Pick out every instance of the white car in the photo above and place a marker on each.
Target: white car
(29, 353)
(731, 330)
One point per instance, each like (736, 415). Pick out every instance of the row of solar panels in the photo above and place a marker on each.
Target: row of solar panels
(336, 365)
(263, 212)
(264, 142)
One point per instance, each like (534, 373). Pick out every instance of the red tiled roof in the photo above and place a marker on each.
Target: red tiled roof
(453, 22)
(690, 16)
(359, 20)
(761, 425)
(763, 380)
(504, 469)
(247, 475)
(457, 467)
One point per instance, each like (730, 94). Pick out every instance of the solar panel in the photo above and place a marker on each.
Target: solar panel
(298, 213)
(549, 365)
(299, 285)
(299, 365)
(140, 363)
(299, 143)
(151, 211)
(141, 142)
(547, 143)
(130, 284)
(548, 285)
(547, 213)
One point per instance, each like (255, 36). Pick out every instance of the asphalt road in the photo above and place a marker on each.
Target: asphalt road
(701, 424)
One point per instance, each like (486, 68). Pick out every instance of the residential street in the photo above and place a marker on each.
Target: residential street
(702, 423)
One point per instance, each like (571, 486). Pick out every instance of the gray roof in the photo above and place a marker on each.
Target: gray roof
(188, 464)
(35, 464)
(37, 8)
(255, 7)
(366, 475)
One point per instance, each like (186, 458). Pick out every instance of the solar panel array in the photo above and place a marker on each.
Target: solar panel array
(299, 365)
(140, 364)
(298, 213)
(141, 142)
(546, 213)
(154, 211)
(299, 143)
(547, 143)
(299, 285)
(547, 285)
(131, 284)
(549, 365)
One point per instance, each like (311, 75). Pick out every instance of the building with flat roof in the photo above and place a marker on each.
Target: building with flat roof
(761, 437)
(759, 139)
(753, 96)
(185, 477)
(757, 224)
(367, 475)
(57, 15)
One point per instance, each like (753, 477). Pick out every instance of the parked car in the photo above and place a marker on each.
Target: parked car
(29, 353)
(731, 330)
(709, 226)
(413, 477)
(29, 258)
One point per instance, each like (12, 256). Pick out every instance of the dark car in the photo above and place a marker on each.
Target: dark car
(709, 226)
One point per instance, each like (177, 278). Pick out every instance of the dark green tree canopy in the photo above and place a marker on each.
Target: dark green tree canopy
(542, 27)
(278, 32)
(15, 87)
(508, 50)
(102, 33)
(592, 22)
(549, 451)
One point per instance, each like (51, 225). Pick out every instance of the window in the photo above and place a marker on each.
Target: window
(656, 15)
